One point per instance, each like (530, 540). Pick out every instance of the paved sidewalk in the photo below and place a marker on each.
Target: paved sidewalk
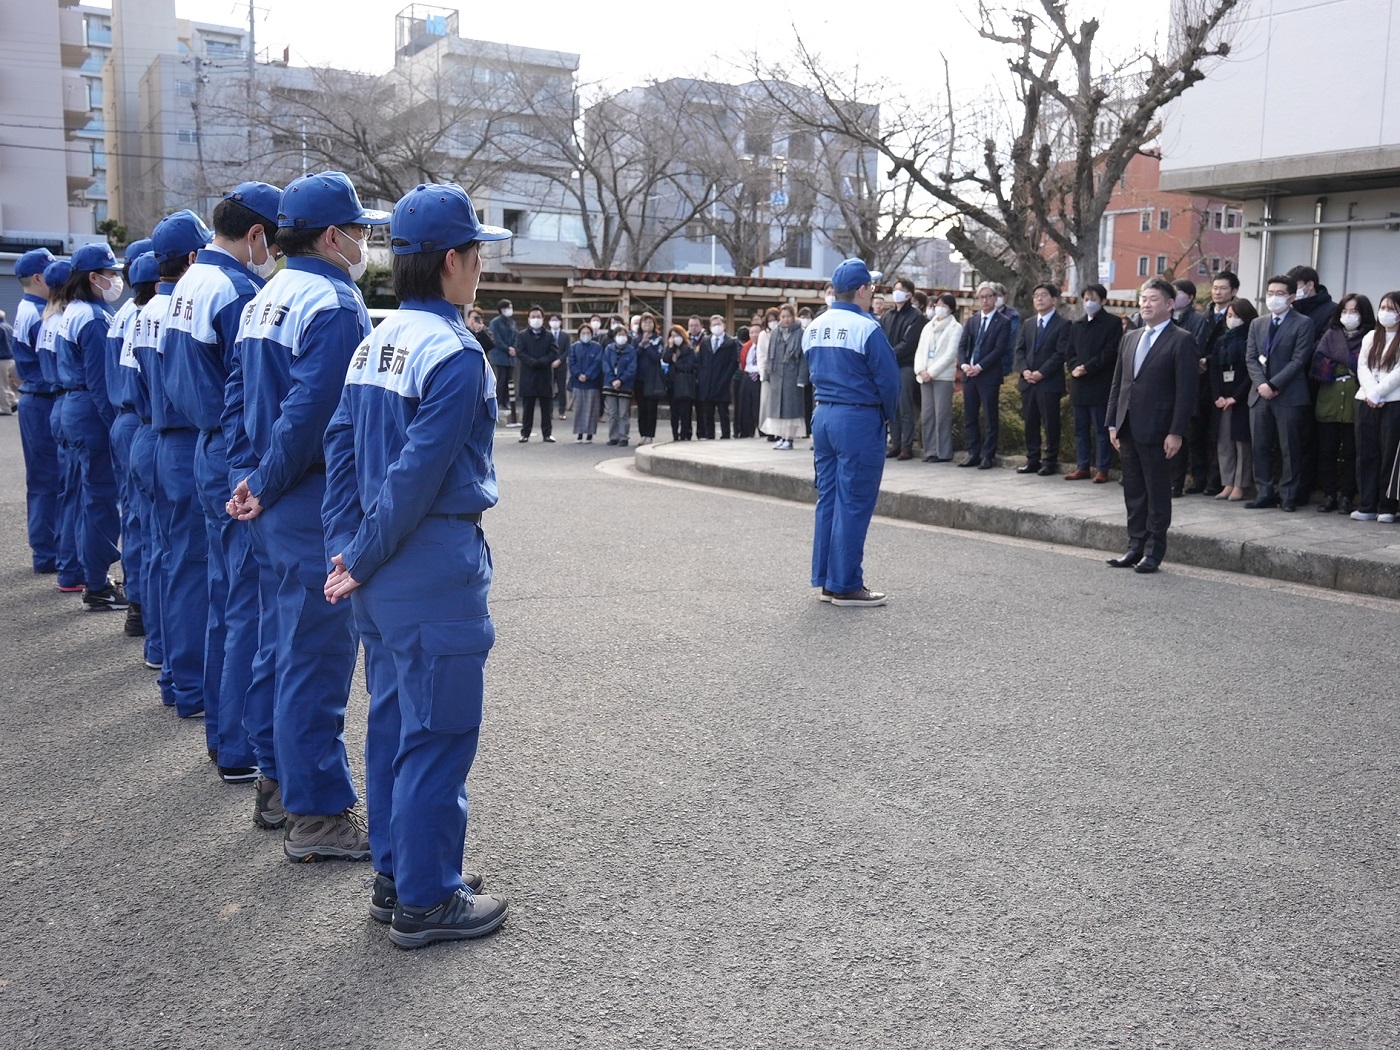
(1324, 550)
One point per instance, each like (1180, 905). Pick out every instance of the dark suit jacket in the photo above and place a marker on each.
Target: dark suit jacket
(903, 326)
(1289, 361)
(716, 363)
(995, 350)
(1045, 355)
(1093, 343)
(1162, 397)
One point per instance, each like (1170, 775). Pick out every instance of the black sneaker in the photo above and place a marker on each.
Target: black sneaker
(863, 598)
(267, 808)
(461, 917)
(135, 626)
(238, 774)
(386, 895)
(110, 597)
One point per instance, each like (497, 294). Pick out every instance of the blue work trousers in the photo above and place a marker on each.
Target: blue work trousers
(142, 488)
(849, 445)
(424, 621)
(98, 525)
(315, 658)
(184, 596)
(252, 564)
(123, 432)
(70, 568)
(43, 479)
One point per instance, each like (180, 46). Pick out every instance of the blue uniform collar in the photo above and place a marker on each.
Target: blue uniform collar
(852, 307)
(225, 261)
(165, 287)
(312, 264)
(441, 307)
(30, 297)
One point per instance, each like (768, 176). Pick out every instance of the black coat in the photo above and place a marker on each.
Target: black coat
(1045, 355)
(716, 367)
(1318, 308)
(1228, 355)
(903, 328)
(535, 352)
(651, 380)
(1093, 343)
(681, 372)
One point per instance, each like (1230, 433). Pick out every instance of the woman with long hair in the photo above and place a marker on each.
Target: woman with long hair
(1334, 371)
(1229, 387)
(1377, 414)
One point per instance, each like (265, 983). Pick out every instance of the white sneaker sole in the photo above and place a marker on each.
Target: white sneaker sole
(856, 603)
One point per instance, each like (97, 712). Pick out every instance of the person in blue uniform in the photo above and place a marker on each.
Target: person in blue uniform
(42, 477)
(70, 570)
(855, 384)
(409, 475)
(125, 423)
(197, 356)
(294, 345)
(127, 394)
(93, 288)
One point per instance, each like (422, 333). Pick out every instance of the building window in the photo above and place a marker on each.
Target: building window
(799, 249)
(1233, 218)
(1229, 265)
(184, 89)
(1142, 266)
(513, 219)
(1146, 224)
(800, 146)
(186, 137)
(1161, 265)
(1201, 269)
(99, 30)
(695, 231)
(94, 86)
(1164, 219)
(758, 136)
(1215, 264)
(1217, 219)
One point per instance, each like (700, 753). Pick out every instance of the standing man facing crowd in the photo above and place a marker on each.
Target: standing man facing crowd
(903, 325)
(855, 383)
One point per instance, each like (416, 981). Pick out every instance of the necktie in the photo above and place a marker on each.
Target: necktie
(1144, 345)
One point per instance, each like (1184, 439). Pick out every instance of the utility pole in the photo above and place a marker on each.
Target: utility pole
(252, 69)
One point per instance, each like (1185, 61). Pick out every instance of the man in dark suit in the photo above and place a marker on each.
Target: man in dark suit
(1093, 351)
(982, 351)
(718, 357)
(1278, 355)
(1040, 369)
(1199, 452)
(1149, 409)
(903, 325)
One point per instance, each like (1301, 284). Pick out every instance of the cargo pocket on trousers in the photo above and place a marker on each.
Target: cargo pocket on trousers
(455, 652)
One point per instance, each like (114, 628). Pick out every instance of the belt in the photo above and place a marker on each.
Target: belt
(47, 395)
(851, 404)
(459, 517)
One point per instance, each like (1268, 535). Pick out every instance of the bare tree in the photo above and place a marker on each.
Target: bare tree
(1039, 182)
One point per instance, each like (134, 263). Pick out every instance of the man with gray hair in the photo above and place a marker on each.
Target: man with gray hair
(984, 355)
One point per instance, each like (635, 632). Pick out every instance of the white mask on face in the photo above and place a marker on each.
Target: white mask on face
(772, 325)
(507, 312)
(1351, 322)
(263, 269)
(554, 326)
(1233, 322)
(113, 291)
(1276, 304)
(585, 337)
(1304, 291)
(620, 339)
(717, 330)
(830, 299)
(900, 295)
(1092, 306)
(537, 323)
(1001, 301)
(677, 341)
(940, 312)
(357, 269)
(1387, 318)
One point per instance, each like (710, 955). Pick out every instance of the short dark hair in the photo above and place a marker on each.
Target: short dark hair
(295, 240)
(535, 308)
(1243, 308)
(1183, 285)
(475, 311)
(1160, 284)
(174, 268)
(921, 300)
(419, 276)
(694, 317)
(1287, 280)
(503, 304)
(145, 292)
(1097, 289)
(1052, 289)
(949, 300)
(233, 220)
(1363, 308)
(905, 283)
(742, 334)
(1304, 274)
(1226, 275)
(557, 317)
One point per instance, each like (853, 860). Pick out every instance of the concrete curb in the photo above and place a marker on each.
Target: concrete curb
(1374, 572)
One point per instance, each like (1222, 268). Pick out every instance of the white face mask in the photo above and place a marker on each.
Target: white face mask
(1351, 322)
(830, 299)
(585, 337)
(1233, 322)
(772, 325)
(620, 339)
(717, 330)
(677, 341)
(1276, 303)
(940, 312)
(263, 269)
(1387, 318)
(357, 269)
(900, 295)
(554, 326)
(537, 323)
(1304, 291)
(1092, 306)
(507, 312)
(1001, 301)
(113, 291)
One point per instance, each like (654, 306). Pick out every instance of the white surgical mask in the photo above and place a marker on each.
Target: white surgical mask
(585, 337)
(1350, 321)
(113, 291)
(357, 268)
(772, 325)
(677, 341)
(830, 299)
(940, 312)
(554, 326)
(1001, 301)
(1305, 291)
(1233, 322)
(900, 295)
(1092, 306)
(717, 329)
(537, 323)
(1387, 318)
(265, 268)
(620, 339)
(1276, 303)
(507, 312)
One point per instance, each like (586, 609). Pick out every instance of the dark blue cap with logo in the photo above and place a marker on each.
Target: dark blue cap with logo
(56, 273)
(93, 257)
(853, 273)
(33, 262)
(433, 218)
(323, 199)
(144, 269)
(179, 234)
(258, 197)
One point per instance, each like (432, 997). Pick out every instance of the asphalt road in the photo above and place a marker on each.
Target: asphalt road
(1034, 802)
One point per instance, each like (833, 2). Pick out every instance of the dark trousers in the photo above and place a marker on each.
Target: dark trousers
(1336, 459)
(1271, 425)
(527, 417)
(681, 412)
(981, 394)
(561, 390)
(746, 419)
(1147, 491)
(906, 411)
(647, 410)
(1041, 409)
(505, 387)
(705, 425)
(808, 404)
(1198, 451)
(1377, 439)
(1091, 433)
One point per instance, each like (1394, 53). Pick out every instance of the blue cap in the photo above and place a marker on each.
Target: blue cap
(92, 257)
(323, 199)
(33, 262)
(432, 218)
(179, 234)
(851, 274)
(56, 273)
(258, 197)
(144, 269)
(136, 248)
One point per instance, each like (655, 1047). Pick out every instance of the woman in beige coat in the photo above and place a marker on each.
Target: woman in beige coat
(935, 367)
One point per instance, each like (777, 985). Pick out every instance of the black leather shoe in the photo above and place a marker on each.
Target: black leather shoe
(1049, 470)
(1196, 490)
(1177, 492)
(1345, 506)
(892, 453)
(1214, 490)
(970, 463)
(1261, 503)
(1146, 566)
(985, 466)
(1029, 468)
(1329, 506)
(1288, 506)
(1127, 561)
